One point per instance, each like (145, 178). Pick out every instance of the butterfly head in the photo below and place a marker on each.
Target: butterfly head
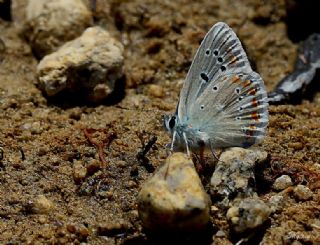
(170, 123)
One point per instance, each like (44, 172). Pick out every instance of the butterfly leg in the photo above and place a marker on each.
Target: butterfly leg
(186, 142)
(202, 155)
(213, 152)
(173, 140)
(200, 163)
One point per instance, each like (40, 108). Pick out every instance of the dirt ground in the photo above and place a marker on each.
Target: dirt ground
(55, 189)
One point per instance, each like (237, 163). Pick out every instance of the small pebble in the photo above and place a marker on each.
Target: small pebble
(281, 183)
(247, 214)
(83, 232)
(71, 228)
(296, 145)
(112, 228)
(276, 203)
(34, 127)
(220, 233)
(93, 166)
(121, 164)
(302, 192)
(41, 205)
(79, 171)
(316, 166)
(174, 198)
(156, 91)
(43, 219)
(131, 184)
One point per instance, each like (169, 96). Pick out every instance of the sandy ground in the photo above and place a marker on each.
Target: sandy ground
(45, 147)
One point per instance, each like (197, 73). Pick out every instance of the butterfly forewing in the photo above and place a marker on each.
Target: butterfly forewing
(219, 54)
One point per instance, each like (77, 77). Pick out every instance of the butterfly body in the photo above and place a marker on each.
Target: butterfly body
(223, 102)
(188, 135)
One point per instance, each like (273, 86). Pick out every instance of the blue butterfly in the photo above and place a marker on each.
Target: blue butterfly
(223, 102)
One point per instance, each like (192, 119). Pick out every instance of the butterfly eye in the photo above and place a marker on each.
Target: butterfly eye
(201, 107)
(172, 122)
(215, 88)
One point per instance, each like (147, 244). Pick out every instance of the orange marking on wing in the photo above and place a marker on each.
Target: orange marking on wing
(250, 130)
(254, 102)
(246, 83)
(235, 79)
(252, 91)
(255, 116)
(234, 59)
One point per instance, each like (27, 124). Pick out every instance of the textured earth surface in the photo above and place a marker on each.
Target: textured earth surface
(69, 172)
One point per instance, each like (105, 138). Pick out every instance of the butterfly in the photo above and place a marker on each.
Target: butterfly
(223, 102)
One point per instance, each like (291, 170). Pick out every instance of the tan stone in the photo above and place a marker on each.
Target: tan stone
(88, 66)
(174, 197)
(49, 24)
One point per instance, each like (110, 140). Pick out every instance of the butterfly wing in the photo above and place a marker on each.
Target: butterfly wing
(220, 53)
(232, 110)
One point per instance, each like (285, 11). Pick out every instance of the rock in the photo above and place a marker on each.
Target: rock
(71, 228)
(79, 172)
(281, 183)
(41, 205)
(276, 203)
(88, 66)
(83, 232)
(302, 192)
(174, 198)
(156, 91)
(49, 24)
(112, 228)
(34, 127)
(234, 174)
(248, 214)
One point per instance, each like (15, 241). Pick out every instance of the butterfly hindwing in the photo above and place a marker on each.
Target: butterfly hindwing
(232, 110)
(219, 54)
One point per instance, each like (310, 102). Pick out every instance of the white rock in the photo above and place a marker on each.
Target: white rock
(88, 66)
(49, 24)
(234, 174)
(276, 203)
(174, 198)
(281, 183)
(302, 192)
(246, 214)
